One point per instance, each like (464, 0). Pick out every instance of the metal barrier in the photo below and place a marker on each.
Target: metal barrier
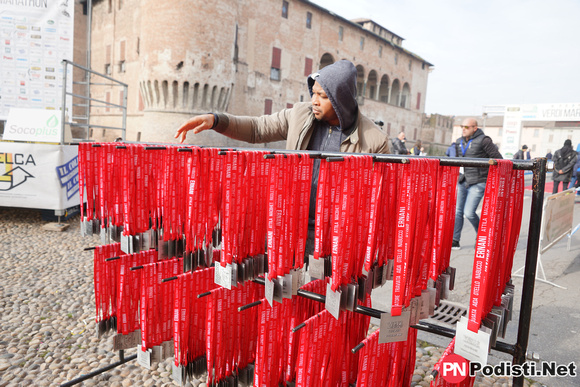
(85, 102)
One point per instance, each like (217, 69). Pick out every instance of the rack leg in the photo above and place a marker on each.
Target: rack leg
(532, 251)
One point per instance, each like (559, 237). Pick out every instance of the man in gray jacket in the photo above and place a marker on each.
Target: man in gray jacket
(331, 122)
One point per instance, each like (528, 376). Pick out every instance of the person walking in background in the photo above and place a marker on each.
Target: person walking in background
(564, 160)
(522, 154)
(418, 149)
(451, 151)
(549, 154)
(471, 184)
(399, 147)
(575, 181)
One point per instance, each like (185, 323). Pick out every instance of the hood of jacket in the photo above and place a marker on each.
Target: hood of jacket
(339, 83)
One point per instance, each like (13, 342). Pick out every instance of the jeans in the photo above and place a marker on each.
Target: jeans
(467, 201)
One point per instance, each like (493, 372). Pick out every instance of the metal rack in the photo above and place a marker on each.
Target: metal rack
(518, 349)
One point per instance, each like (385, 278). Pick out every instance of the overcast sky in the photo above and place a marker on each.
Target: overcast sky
(490, 52)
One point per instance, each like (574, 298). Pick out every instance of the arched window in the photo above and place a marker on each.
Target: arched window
(384, 89)
(360, 80)
(372, 85)
(395, 91)
(326, 60)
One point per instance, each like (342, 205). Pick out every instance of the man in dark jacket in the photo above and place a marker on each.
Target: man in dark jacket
(399, 147)
(564, 160)
(522, 154)
(471, 184)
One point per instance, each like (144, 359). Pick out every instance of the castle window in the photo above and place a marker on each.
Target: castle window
(309, 20)
(268, 106)
(340, 33)
(285, 9)
(275, 68)
(307, 66)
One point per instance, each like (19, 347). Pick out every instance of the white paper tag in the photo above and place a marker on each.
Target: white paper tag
(394, 328)
(144, 357)
(223, 276)
(316, 267)
(296, 279)
(473, 346)
(178, 373)
(269, 290)
(287, 284)
(351, 297)
(332, 303)
(277, 290)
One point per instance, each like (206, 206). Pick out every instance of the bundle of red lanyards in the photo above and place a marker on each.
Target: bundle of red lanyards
(190, 315)
(106, 282)
(388, 364)
(129, 295)
(497, 238)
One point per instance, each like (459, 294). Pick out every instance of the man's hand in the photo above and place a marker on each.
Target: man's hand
(198, 124)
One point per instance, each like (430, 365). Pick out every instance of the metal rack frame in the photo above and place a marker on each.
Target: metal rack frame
(518, 349)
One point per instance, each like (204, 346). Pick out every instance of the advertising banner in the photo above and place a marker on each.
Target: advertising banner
(35, 125)
(515, 114)
(39, 176)
(35, 36)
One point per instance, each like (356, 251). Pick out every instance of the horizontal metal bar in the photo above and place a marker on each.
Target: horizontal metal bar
(250, 305)
(104, 84)
(94, 72)
(431, 328)
(75, 124)
(105, 103)
(98, 372)
(447, 161)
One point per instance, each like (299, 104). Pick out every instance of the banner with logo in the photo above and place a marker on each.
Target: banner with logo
(35, 36)
(39, 176)
(515, 114)
(35, 125)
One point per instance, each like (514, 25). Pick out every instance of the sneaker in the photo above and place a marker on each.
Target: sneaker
(455, 245)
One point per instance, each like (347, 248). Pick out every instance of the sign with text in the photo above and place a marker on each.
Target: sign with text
(39, 176)
(35, 37)
(34, 125)
(515, 114)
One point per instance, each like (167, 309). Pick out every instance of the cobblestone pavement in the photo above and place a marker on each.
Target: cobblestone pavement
(47, 327)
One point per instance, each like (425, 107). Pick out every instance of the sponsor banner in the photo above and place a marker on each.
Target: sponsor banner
(512, 131)
(551, 112)
(35, 36)
(38, 176)
(515, 114)
(35, 125)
